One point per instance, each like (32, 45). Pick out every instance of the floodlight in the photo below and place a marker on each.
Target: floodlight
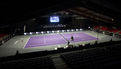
(30, 33)
(25, 33)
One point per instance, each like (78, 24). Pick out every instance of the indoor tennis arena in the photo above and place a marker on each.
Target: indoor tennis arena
(60, 34)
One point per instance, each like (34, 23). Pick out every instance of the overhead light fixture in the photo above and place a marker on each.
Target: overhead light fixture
(48, 32)
(52, 31)
(68, 30)
(37, 32)
(80, 29)
(62, 30)
(30, 33)
(25, 33)
(58, 31)
(42, 32)
(72, 30)
(76, 29)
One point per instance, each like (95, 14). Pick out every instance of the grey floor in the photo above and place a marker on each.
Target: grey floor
(16, 43)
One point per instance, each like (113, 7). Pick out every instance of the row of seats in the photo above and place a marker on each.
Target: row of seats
(108, 31)
(96, 58)
(32, 63)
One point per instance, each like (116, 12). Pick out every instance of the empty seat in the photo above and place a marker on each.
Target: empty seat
(33, 63)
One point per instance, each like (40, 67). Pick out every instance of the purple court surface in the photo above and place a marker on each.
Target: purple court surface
(46, 40)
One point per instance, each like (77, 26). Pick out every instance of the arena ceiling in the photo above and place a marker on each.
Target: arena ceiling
(13, 12)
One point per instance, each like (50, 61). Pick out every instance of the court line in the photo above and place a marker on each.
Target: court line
(63, 37)
(26, 42)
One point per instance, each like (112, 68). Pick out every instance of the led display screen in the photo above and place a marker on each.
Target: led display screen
(54, 19)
